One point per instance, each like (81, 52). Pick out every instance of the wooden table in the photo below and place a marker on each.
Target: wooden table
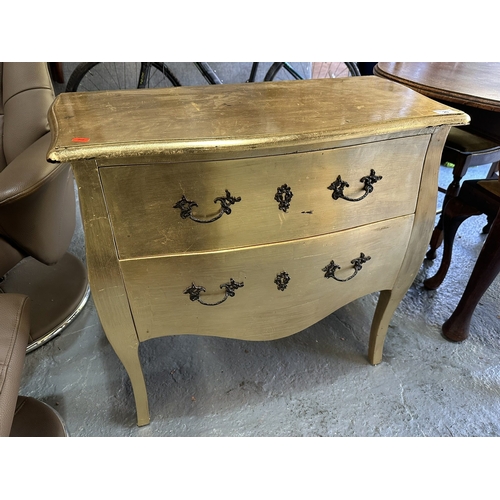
(474, 88)
(272, 203)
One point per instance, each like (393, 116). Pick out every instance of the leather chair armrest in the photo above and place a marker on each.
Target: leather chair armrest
(37, 204)
(27, 171)
(14, 330)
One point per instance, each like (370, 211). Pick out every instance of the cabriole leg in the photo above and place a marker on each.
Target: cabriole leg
(387, 303)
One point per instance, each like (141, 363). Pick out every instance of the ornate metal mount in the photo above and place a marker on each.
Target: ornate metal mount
(194, 292)
(357, 264)
(186, 206)
(282, 280)
(338, 186)
(283, 196)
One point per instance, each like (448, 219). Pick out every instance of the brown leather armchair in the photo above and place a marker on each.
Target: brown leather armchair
(37, 206)
(20, 416)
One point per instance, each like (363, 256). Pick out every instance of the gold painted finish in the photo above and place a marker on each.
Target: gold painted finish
(425, 216)
(258, 310)
(106, 283)
(136, 153)
(141, 199)
(216, 122)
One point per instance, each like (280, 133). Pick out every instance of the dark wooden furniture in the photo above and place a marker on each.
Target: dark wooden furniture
(464, 149)
(473, 88)
(475, 198)
(56, 71)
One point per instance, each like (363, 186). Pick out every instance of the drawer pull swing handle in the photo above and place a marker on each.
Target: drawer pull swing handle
(194, 292)
(186, 206)
(357, 264)
(338, 186)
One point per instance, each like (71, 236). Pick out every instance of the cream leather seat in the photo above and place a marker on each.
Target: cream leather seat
(37, 206)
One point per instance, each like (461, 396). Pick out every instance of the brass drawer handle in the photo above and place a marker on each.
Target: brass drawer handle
(357, 264)
(186, 206)
(194, 292)
(338, 186)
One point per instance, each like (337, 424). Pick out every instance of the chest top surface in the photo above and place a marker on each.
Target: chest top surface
(225, 118)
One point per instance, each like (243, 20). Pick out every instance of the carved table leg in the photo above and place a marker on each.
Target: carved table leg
(486, 229)
(455, 213)
(451, 193)
(487, 267)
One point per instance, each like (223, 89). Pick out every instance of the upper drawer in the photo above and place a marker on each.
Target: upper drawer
(145, 202)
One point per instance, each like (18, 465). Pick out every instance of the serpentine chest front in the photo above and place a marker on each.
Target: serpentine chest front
(250, 211)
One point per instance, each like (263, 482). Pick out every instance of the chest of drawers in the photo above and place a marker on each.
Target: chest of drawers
(250, 211)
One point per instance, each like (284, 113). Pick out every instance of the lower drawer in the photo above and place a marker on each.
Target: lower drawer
(163, 291)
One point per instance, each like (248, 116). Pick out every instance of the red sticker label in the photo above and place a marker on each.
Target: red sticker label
(80, 139)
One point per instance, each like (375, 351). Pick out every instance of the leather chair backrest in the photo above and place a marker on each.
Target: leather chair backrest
(37, 199)
(26, 95)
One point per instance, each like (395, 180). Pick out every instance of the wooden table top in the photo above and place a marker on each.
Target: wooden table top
(251, 117)
(475, 84)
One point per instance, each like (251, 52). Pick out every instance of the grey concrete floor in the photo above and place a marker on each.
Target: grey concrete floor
(315, 383)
